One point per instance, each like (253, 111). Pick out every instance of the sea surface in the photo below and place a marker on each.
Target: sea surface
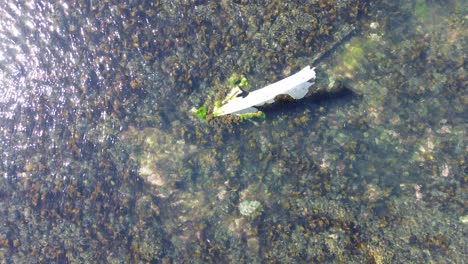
(102, 159)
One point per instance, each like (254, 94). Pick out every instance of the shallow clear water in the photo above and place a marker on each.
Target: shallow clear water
(102, 159)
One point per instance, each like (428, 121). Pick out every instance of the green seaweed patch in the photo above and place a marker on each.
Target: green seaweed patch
(243, 82)
(234, 79)
(216, 109)
(258, 114)
(421, 11)
(200, 112)
(352, 57)
(237, 80)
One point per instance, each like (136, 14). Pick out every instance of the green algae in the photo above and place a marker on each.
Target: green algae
(258, 114)
(201, 112)
(421, 11)
(353, 57)
(237, 80)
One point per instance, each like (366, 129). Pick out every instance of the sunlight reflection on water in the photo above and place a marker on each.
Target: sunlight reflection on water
(31, 51)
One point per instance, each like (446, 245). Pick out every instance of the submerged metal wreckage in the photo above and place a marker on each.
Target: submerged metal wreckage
(245, 104)
(239, 102)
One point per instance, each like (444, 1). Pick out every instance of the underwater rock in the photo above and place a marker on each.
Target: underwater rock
(250, 208)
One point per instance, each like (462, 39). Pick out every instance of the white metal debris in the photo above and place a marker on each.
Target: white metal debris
(296, 85)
